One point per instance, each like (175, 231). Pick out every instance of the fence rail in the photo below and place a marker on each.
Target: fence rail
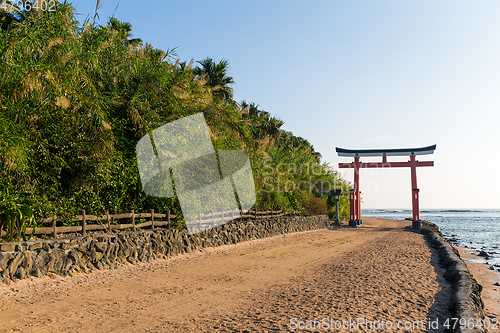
(107, 222)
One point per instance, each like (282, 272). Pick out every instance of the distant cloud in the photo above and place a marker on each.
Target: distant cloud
(377, 138)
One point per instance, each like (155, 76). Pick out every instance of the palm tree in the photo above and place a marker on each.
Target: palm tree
(10, 12)
(262, 123)
(217, 78)
(124, 29)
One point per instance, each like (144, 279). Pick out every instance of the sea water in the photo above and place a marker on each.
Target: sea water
(477, 229)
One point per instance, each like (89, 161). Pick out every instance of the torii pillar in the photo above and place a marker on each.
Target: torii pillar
(355, 208)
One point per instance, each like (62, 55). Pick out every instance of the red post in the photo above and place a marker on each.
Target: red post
(414, 193)
(352, 201)
(415, 206)
(357, 205)
(414, 188)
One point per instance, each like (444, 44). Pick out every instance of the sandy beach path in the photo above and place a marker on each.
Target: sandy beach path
(380, 272)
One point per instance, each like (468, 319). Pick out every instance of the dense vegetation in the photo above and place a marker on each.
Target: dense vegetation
(75, 100)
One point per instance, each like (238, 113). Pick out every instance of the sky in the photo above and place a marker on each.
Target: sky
(356, 74)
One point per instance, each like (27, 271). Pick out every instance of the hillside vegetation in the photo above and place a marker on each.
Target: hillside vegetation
(75, 100)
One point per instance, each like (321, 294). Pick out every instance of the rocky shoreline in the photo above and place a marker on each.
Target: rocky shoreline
(466, 302)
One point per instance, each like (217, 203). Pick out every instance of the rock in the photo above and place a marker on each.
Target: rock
(108, 249)
(95, 256)
(21, 273)
(75, 255)
(7, 247)
(28, 260)
(82, 268)
(67, 263)
(496, 284)
(484, 254)
(65, 245)
(36, 246)
(99, 247)
(46, 247)
(4, 260)
(35, 271)
(83, 250)
(75, 241)
(59, 262)
(15, 263)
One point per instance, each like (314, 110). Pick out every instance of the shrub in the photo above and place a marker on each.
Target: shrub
(313, 206)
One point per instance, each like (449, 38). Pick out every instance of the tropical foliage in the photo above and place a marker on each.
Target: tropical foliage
(75, 100)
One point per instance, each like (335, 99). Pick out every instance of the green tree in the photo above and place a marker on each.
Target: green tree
(216, 77)
(124, 30)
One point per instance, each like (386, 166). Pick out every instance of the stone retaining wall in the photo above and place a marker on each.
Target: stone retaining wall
(108, 251)
(466, 301)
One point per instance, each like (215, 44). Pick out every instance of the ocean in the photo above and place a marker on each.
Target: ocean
(477, 229)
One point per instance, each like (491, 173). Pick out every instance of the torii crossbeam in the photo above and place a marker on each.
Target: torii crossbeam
(357, 164)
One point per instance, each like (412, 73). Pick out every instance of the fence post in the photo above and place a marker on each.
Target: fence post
(152, 211)
(168, 218)
(84, 222)
(54, 228)
(107, 219)
(199, 221)
(133, 220)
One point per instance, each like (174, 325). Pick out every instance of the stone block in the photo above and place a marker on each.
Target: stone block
(15, 263)
(34, 247)
(65, 245)
(28, 260)
(7, 247)
(4, 260)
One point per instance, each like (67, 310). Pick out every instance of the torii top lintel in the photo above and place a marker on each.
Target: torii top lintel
(385, 152)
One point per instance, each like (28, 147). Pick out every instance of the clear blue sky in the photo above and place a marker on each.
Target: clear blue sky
(357, 74)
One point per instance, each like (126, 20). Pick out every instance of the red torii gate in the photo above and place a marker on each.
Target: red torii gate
(355, 201)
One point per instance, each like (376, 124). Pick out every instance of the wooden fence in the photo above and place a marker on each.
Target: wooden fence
(109, 222)
(220, 217)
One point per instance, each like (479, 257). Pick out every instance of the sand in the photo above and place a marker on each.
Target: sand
(380, 272)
